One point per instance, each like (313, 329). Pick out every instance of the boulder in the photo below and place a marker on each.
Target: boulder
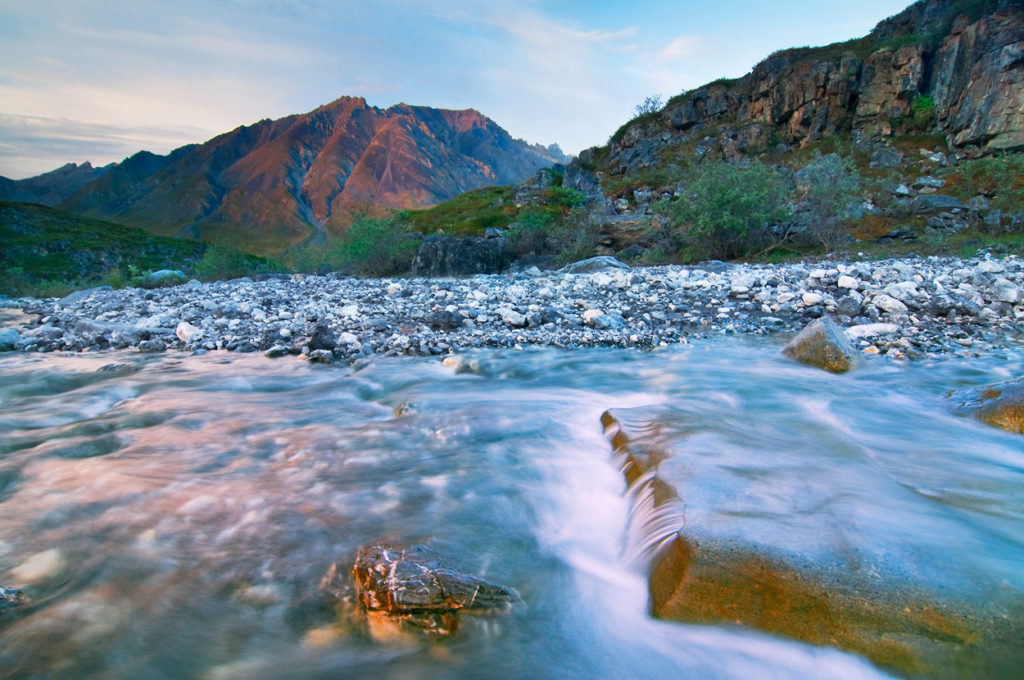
(594, 265)
(459, 256)
(9, 338)
(822, 343)
(1000, 405)
(418, 586)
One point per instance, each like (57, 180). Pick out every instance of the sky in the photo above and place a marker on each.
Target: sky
(98, 80)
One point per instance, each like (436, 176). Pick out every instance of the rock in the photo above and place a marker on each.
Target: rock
(928, 181)
(1000, 405)
(9, 600)
(418, 586)
(276, 351)
(458, 256)
(1006, 291)
(512, 318)
(822, 343)
(186, 332)
(321, 338)
(444, 321)
(9, 338)
(151, 346)
(594, 265)
(320, 356)
(164, 277)
(870, 330)
(886, 158)
(811, 299)
(889, 304)
(847, 282)
(927, 202)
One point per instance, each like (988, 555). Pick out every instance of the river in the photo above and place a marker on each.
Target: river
(171, 516)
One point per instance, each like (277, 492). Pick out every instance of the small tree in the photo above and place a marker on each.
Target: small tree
(651, 104)
(376, 246)
(730, 210)
(826, 187)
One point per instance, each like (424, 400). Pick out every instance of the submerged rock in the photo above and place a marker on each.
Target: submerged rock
(10, 599)
(416, 585)
(1000, 405)
(822, 343)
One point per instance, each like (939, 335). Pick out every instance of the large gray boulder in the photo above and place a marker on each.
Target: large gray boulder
(459, 256)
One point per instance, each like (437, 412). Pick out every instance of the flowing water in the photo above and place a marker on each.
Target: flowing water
(171, 516)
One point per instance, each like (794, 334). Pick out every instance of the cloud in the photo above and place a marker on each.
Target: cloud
(680, 48)
(30, 145)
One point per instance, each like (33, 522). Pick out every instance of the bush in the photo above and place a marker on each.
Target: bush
(376, 246)
(649, 105)
(826, 187)
(730, 210)
(922, 111)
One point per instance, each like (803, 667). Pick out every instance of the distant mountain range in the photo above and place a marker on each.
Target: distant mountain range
(50, 188)
(278, 182)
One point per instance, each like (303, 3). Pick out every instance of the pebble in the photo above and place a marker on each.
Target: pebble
(335, 318)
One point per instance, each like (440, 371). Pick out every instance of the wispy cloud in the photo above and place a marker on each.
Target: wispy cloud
(30, 145)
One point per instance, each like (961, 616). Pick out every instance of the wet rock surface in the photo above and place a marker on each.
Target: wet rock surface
(929, 306)
(9, 600)
(1000, 405)
(823, 344)
(418, 586)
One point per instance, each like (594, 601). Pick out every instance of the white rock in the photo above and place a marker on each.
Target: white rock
(1006, 291)
(847, 282)
(186, 332)
(784, 298)
(870, 330)
(810, 299)
(347, 339)
(991, 267)
(394, 289)
(350, 311)
(889, 304)
(512, 317)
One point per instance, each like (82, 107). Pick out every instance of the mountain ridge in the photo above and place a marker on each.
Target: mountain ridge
(275, 183)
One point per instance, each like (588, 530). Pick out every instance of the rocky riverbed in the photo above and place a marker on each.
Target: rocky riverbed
(906, 308)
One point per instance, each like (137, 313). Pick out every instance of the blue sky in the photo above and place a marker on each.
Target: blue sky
(98, 80)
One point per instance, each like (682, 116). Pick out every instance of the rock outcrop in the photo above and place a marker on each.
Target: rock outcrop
(963, 66)
(1000, 405)
(459, 256)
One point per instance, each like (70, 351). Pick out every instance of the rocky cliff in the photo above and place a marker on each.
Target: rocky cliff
(948, 67)
(277, 182)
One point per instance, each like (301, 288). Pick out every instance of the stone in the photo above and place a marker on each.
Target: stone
(276, 351)
(822, 343)
(593, 265)
(418, 586)
(885, 158)
(512, 318)
(187, 333)
(320, 356)
(1000, 405)
(152, 346)
(1006, 291)
(928, 181)
(847, 282)
(889, 304)
(9, 338)
(458, 256)
(871, 330)
(164, 277)
(811, 299)
(927, 202)
(321, 338)
(9, 600)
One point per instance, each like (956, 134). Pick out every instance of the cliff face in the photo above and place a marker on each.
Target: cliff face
(961, 62)
(274, 183)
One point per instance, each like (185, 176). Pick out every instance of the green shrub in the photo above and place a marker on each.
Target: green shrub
(922, 111)
(219, 263)
(825, 188)
(729, 210)
(376, 246)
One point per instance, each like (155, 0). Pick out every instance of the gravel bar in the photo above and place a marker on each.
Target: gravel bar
(906, 308)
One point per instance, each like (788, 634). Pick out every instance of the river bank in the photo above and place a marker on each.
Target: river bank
(906, 308)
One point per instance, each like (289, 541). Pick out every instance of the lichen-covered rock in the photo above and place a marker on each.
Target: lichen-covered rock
(1000, 405)
(417, 585)
(459, 256)
(822, 343)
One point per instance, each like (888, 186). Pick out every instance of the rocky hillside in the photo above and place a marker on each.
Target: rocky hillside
(949, 67)
(52, 187)
(279, 182)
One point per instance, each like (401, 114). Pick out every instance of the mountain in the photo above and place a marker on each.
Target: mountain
(947, 68)
(52, 187)
(278, 182)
